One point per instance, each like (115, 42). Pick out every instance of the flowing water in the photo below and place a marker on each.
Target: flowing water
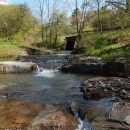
(44, 85)
(47, 85)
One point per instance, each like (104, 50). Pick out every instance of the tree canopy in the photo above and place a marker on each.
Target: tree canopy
(48, 20)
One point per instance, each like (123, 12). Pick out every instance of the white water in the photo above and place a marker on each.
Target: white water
(83, 124)
(49, 73)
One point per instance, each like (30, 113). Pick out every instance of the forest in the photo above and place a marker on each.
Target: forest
(103, 26)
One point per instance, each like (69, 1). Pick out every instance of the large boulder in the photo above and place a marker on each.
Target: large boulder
(7, 67)
(90, 68)
(25, 115)
(100, 68)
(113, 68)
(119, 119)
(55, 118)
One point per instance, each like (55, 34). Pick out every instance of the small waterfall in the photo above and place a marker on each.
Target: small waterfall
(38, 69)
(80, 114)
(45, 72)
(84, 124)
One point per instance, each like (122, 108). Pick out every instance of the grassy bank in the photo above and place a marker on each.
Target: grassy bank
(10, 50)
(109, 45)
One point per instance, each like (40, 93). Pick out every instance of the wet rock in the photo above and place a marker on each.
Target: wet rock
(29, 116)
(93, 65)
(121, 114)
(81, 113)
(113, 68)
(53, 118)
(119, 117)
(17, 114)
(108, 88)
(119, 86)
(92, 68)
(98, 95)
(16, 67)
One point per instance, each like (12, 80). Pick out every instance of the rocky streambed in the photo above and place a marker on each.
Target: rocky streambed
(113, 81)
(118, 116)
(97, 88)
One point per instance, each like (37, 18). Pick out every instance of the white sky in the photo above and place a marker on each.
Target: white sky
(5, 2)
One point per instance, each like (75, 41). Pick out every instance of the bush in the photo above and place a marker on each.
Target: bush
(100, 42)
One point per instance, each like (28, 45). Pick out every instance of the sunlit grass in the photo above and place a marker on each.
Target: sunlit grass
(8, 49)
(108, 45)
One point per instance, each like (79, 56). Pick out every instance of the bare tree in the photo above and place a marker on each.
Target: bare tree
(40, 7)
(77, 22)
(98, 10)
(123, 5)
(87, 6)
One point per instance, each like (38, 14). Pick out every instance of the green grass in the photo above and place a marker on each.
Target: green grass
(8, 49)
(107, 46)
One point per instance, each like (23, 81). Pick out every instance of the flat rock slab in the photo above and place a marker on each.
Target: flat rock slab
(53, 118)
(89, 68)
(121, 113)
(7, 67)
(119, 119)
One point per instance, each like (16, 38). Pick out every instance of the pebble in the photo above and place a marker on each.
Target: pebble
(118, 85)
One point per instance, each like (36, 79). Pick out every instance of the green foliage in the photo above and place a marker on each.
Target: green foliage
(104, 46)
(56, 46)
(100, 42)
(110, 19)
(76, 11)
(16, 21)
(9, 49)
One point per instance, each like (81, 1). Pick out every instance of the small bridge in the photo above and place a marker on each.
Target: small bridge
(70, 42)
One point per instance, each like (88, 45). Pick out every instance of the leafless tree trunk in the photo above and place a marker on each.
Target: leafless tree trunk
(40, 5)
(86, 8)
(77, 22)
(121, 5)
(99, 21)
(49, 20)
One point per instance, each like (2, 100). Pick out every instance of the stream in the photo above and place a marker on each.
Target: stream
(47, 85)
